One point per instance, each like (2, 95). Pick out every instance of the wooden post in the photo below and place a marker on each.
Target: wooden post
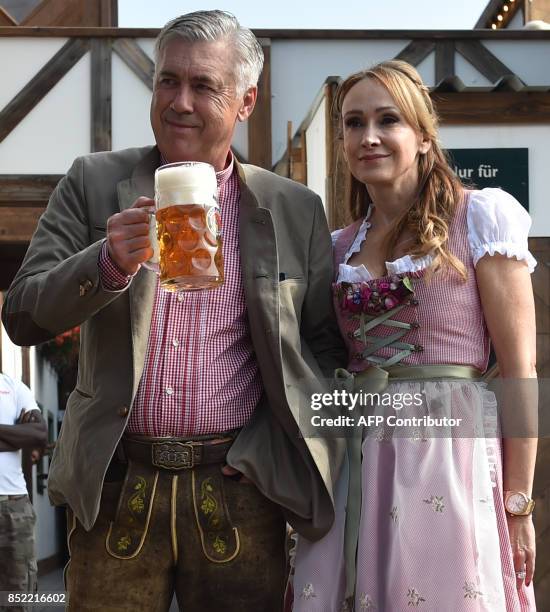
(101, 94)
(259, 123)
(103, 13)
(289, 147)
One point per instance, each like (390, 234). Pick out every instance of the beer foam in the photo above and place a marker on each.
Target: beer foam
(193, 183)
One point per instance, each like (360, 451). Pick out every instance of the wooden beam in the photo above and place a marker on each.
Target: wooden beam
(495, 107)
(101, 94)
(53, 12)
(108, 13)
(136, 59)
(6, 19)
(26, 365)
(17, 224)
(482, 59)
(73, 13)
(444, 60)
(91, 32)
(19, 9)
(416, 51)
(259, 123)
(27, 187)
(488, 13)
(331, 144)
(47, 77)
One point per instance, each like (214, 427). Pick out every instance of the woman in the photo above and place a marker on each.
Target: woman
(426, 274)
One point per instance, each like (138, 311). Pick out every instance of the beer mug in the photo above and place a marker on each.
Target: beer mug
(185, 232)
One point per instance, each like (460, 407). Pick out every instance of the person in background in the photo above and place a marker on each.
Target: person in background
(171, 386)
(428, 273)
(21, 427)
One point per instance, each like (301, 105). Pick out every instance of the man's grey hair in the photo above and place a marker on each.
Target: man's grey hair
(212, 26)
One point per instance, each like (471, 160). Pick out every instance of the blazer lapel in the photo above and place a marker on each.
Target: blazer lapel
(143, 286)
(259, 261)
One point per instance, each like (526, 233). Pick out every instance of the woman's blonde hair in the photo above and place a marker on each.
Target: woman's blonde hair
(439, 189)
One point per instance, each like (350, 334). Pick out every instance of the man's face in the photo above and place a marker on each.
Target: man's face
(194, 107)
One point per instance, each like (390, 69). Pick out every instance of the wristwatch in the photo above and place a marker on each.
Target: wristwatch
(517, 503)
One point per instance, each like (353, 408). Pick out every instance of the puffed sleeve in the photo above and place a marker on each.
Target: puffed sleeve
(497, 223)
(334, 235)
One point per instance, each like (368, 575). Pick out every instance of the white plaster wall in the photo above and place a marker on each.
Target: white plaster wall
(299, 68)
(533, 137)
(11, 356)
(21, 59)
(528, 59)
(131, 100)
(426, 69)
(517, 21)
(44, 387)
(43, 384)
(469, 75)
(147, 44)
(316, 152)
(56, 130)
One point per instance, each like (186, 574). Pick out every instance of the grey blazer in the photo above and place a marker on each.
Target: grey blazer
(294, 334)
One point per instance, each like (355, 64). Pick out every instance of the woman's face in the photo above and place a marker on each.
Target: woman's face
(381, 148)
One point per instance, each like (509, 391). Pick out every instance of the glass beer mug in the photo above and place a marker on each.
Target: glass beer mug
(186, 232)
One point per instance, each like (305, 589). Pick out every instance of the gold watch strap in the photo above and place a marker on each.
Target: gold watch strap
(528, 509)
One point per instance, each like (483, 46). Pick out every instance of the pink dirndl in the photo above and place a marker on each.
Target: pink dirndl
(433, 534)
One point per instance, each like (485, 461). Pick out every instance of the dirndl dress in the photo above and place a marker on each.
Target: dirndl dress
(432, 532)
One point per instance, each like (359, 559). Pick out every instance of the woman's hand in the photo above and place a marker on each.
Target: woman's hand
(522, 539)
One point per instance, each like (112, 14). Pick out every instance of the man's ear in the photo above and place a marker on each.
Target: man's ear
(248, 103)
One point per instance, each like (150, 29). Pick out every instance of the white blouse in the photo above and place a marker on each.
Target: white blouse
(497, 223)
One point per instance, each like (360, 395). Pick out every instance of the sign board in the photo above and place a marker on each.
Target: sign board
(504, 168)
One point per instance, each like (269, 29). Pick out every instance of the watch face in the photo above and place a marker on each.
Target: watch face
(516, 503)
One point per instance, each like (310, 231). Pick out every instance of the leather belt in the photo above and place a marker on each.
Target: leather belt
(175, 453)
(11, 497)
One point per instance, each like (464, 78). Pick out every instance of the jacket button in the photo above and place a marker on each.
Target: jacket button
(85, 286)
(123, 411)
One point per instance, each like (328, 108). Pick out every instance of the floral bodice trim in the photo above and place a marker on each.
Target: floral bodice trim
(373, 297)
(497, 223)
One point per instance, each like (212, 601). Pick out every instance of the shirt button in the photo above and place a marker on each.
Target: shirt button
(175, 342)
(180, 297)
(169, 391)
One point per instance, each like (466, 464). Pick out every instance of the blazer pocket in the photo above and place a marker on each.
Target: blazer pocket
(292, 292)
(84, 394)
(291, 279)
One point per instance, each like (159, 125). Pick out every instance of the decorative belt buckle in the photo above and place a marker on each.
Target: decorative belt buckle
(172, 455)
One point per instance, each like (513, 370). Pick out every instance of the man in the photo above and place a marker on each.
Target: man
(21, 426)
(171, 386)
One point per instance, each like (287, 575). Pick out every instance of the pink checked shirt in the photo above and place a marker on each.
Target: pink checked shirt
(200, 374)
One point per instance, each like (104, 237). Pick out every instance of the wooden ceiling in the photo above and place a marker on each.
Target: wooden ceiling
(65, 13)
